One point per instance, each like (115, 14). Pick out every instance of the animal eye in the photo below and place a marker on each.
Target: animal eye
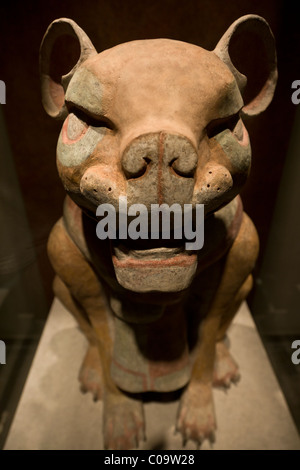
(79, 121)
(219, 125)
(74, 128)
(89, 119)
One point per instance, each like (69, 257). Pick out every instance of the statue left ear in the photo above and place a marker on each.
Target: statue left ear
(258, 27)
(64, 47)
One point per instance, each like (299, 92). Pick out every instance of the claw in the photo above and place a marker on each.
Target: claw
(236, 379)
(196, 420)
(224, 388)
(200, 441)
(212, 437)
(227, 383)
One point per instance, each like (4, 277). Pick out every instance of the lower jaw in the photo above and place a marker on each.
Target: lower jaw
(174, 274)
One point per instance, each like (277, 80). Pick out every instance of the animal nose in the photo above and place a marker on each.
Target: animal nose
(180, 156)
(160, 167)
(136, 159)
(163, 151)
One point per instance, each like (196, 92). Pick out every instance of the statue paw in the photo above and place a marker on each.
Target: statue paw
(90, 375)
(226, 370)
(124, 425)
(196, 415)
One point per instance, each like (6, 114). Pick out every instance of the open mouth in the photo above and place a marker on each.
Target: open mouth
(151, 252)
(162, 266)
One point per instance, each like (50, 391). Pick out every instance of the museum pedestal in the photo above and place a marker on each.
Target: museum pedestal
(54, 414)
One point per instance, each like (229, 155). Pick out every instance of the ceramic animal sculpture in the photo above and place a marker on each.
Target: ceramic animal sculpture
(158, 122)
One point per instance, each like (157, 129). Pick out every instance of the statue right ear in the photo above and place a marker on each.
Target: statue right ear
(64, 47)
(259, 29)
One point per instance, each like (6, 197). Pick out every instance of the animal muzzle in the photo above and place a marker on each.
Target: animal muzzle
(160, 168)
(157, 169)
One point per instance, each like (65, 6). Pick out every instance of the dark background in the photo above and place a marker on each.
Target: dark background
(30, 140)
(33, 135)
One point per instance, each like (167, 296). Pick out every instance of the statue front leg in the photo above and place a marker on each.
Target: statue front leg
(196, 415)
(80, 290)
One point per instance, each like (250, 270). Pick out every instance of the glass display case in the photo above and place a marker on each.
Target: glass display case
(31, 195)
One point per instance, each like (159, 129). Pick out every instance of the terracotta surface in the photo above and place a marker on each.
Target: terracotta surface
(156, 121)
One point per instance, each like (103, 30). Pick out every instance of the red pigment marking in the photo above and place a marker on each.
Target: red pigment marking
(181, 261)
(65, 137)
(164, 369)
(160, 161)
(245, 141)
(132, 372)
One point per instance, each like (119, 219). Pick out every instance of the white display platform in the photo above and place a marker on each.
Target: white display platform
(54, 414)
